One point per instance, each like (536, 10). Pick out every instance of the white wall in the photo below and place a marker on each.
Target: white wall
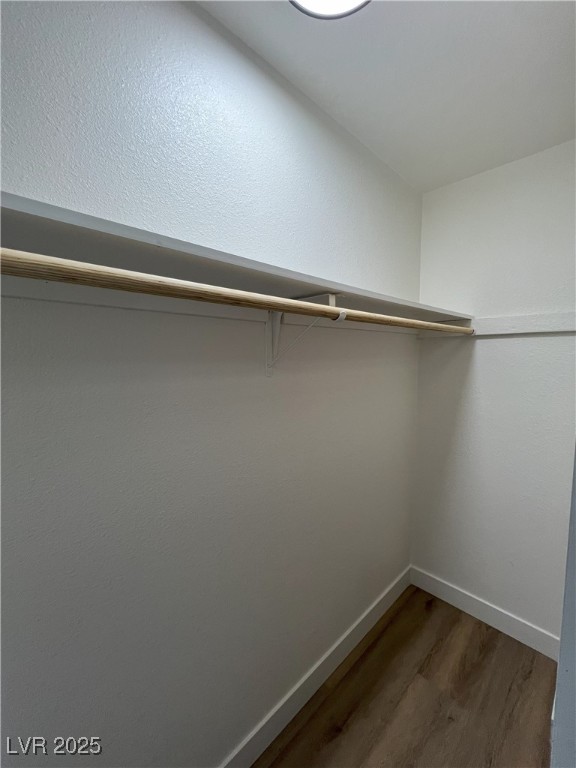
(496, 429)
(502, 242)
(176, 129)
(184, 538)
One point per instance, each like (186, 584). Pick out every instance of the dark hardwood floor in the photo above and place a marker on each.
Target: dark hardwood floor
(429, 687)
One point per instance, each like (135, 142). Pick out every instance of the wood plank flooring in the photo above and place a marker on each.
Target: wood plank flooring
(429, 687)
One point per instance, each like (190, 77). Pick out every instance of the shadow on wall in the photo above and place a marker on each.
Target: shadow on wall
(443, 387)
(496, 420)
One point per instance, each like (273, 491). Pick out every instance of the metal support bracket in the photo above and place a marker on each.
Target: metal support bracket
(272, 332)
(274, 327)
(321, 298)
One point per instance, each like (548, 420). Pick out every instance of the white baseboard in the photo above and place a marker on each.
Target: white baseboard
(506, 622)
(279, 717)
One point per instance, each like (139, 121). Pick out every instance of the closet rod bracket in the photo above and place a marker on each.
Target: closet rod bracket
(273, 332)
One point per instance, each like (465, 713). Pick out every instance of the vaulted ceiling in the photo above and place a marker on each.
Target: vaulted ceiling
(438, 90)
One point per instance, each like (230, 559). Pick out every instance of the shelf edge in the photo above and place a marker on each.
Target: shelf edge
(44, 210)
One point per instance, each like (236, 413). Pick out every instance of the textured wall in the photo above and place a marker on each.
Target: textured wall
(142, 113)
(496, 436)
(502, 242)
(496, 431)
(183, 538)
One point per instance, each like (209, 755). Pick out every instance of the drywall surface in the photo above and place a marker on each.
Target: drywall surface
(496, 434)
(496, 414)
(440, 90)
(183, 538)
(502, 242)
(143, 113)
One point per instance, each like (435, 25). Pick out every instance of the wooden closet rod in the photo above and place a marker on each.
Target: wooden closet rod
(39, 267)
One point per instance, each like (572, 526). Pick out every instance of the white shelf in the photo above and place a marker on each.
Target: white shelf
(30, 225)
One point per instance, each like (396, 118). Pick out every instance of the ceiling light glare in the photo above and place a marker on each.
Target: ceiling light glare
(329, 9)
